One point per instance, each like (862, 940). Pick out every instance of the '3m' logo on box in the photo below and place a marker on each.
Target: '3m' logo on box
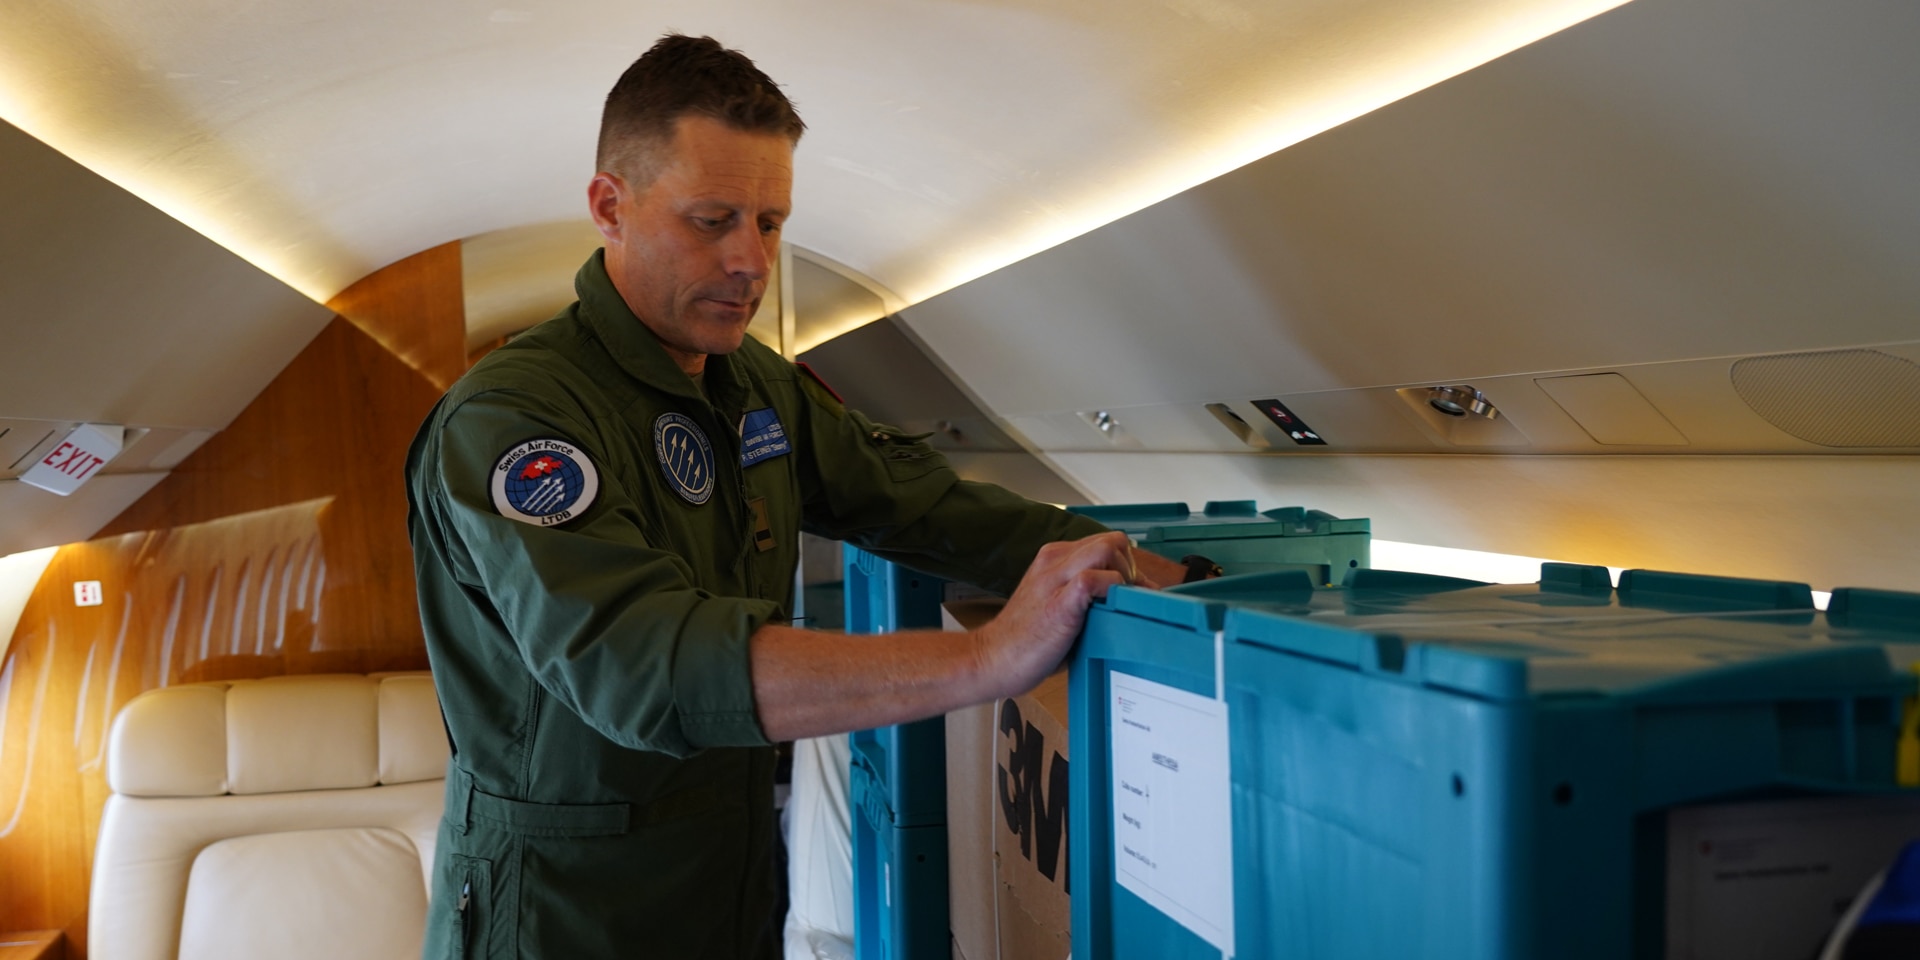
(1035, 809)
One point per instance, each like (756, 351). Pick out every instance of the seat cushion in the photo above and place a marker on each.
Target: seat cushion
(317, 894)
(286, 734)
(150, 847)
(171, 745)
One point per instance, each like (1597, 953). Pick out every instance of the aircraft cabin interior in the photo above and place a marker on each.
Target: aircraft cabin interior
(1571, 348)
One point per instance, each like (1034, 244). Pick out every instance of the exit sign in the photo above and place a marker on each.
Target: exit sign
(76, 459)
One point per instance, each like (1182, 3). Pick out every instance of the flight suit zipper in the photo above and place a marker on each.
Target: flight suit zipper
(743, 510)
(468, 933)
(460, 918)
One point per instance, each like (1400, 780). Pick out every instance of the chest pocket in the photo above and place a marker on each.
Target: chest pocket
(908, 456)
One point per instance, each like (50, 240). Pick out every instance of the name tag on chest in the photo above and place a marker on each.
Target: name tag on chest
(762, 437)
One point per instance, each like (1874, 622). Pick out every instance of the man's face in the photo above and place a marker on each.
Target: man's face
(691, 251)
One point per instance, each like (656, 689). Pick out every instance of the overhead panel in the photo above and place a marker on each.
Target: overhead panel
(117, 313)
(881, 372)
(144, 449)
(31, 518)
(1829, 521)
(1611, 235)
(828, 301)
(1611, 411)
(1650, 187)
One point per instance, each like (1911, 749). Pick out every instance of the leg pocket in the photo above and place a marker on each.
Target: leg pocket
(471, 919)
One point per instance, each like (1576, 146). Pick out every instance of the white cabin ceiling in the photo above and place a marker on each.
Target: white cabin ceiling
(1708, 204)
(323, 141)
(1673, 181)
(1671, 186)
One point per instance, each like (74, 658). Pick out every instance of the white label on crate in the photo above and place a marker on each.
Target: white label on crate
(87, 593)
(1173, 804)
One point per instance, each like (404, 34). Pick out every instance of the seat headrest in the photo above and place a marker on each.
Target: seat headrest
(277, 735)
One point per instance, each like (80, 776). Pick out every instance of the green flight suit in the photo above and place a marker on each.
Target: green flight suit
(611, 790)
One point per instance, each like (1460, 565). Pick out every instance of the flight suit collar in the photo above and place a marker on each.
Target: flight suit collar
(638, 351)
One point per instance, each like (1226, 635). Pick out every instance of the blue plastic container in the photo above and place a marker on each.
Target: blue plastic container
(1424, 767)
(897, 784)
(1244, 539)
(898, 779)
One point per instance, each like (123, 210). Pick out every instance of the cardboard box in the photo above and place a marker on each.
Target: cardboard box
(1007, 770)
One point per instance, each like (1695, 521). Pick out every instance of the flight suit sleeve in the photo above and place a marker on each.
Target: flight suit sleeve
(897, 496)
(607, 623)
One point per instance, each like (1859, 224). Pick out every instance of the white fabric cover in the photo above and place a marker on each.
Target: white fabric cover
(335, 893)
(413, 737)
(303, 733)
(173, 745)
(181, 874)
(820, 852)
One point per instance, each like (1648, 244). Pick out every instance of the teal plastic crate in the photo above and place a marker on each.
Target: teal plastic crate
(897, 784)
(1425, 767)
(898, 777)
(1243, 539)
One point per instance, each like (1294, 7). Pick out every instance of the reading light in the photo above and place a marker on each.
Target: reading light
(1461, 400)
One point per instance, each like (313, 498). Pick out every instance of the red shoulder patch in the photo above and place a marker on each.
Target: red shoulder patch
(824, 385)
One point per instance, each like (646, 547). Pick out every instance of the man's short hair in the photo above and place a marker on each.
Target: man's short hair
(682, 76)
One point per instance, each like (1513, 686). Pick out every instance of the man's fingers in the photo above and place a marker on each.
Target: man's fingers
(1061, 561)
(1098, 582)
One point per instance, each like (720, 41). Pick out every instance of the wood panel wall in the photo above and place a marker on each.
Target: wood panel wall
(416, 309)
(280, 546)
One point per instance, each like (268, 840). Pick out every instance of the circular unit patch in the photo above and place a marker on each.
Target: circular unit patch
(685, 457)
(544, 482)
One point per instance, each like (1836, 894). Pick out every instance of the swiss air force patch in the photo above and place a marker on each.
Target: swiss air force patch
(685, 457)
(544, 482)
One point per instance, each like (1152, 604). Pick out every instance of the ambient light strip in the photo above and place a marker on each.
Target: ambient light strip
(1481, 565)
(19, 574)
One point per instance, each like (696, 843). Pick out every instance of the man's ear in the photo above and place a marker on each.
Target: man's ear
(603, 203)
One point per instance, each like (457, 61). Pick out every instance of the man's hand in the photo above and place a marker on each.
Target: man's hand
(1037, 627)
(808, 683)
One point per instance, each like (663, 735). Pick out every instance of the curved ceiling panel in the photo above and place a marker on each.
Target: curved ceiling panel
(323, 141)
(113, 312)
(1669, 182)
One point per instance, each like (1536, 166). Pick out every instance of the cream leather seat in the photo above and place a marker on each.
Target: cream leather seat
(286, 818)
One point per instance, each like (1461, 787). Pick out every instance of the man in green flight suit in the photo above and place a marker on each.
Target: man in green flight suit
(605, 516)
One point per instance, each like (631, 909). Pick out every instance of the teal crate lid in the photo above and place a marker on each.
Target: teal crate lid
(1687, 592)
(1201, 605)
(1220, 520)
(1367, 578)
(1200, 614)
(1230, 508)
(1124, 515)
(1679, 637)
(1265, 587)
(1327, 642)
(1884, 610)
(1578, 578)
